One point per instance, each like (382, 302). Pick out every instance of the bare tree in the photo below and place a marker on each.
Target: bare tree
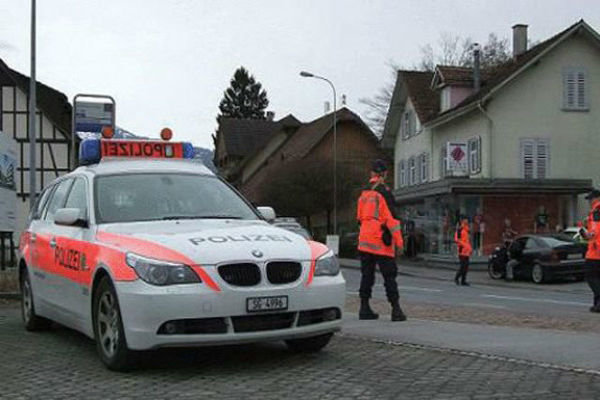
(449, 50)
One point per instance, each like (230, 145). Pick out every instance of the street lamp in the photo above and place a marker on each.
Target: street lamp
(32, 116)
(311, 75)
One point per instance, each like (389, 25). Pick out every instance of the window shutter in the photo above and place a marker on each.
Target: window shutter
(443, 161)
(402, 173)
(527, 158)
(413, 124)
(542, 156)
(424, 168)
(568, 89)
(581, 92)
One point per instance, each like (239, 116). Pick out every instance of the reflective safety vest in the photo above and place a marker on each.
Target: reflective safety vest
(593, 232)
(463, 241)
(374, 216)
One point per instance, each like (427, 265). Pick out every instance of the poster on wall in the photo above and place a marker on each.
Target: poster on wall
(458, 159)
(8, 195)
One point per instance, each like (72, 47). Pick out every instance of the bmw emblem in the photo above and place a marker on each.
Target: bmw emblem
(257, 253)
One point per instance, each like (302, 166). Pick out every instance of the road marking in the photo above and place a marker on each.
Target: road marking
(420, 289)
(484, 305)
(572, 303)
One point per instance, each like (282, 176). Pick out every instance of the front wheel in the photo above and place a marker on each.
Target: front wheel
(31, 320)
(538, 275)
(309, 344)
(496, 270)
(108, 329)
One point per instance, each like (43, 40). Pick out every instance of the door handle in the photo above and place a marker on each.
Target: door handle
(53, 243)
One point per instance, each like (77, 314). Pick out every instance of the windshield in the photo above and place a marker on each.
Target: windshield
(166, 196)
(556, 241)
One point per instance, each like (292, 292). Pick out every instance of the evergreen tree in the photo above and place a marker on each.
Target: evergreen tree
(245, 97)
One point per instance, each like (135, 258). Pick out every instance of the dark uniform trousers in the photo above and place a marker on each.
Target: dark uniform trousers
(592, 275)
(389, 270)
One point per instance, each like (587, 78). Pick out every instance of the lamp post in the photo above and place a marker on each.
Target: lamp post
(311, 75)
(32, 116)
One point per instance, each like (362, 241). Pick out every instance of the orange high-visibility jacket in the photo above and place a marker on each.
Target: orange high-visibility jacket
(463, 241)
(373, 215)
(593, 233)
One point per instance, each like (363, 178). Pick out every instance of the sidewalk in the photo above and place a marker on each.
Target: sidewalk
(557, 348)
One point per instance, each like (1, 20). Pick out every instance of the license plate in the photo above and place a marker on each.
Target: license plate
(573, 256)
(257, 304)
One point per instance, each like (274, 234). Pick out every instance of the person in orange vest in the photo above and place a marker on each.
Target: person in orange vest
(380, 235)
(463, 242)
(592, 256)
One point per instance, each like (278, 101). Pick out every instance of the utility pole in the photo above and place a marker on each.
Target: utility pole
(32, 116)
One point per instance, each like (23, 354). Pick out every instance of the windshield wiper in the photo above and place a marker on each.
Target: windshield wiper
(176, 217)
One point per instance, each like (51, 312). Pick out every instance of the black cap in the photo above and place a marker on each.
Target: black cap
(378, 166)
(593, 194)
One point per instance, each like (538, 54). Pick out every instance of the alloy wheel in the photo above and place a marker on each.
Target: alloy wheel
(108, 324)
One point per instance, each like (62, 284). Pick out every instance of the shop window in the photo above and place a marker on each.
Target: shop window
(475, 155)
(535, 158)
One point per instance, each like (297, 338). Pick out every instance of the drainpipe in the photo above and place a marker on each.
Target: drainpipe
(490, 129)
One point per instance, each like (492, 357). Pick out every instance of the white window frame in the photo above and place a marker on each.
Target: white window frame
(444, 161)
(412, 171)
(402, 173)
(576, 89)
(445, 99)
(405, 125)
(539, 157)
(474, 146)
(424, 168)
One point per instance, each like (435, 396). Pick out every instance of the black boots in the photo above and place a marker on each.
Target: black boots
(365, 311)
(397, 314)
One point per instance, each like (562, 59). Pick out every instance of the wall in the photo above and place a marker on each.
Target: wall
(52, 147)
(262, 155)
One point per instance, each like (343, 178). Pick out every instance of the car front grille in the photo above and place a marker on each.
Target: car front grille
(243, 274)
(193, 326)
(267, 322)
(279, 272)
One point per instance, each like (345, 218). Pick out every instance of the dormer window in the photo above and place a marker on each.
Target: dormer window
(409, 124)
(445, 100)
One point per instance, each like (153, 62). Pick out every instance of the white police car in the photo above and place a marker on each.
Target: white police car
(146, 249)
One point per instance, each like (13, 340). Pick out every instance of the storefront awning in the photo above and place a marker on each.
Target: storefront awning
(492, 186)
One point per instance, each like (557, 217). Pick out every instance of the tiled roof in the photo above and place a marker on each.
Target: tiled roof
(311, 133)
(53, 103)
(244, 136)
(451, 75)
(425, 100)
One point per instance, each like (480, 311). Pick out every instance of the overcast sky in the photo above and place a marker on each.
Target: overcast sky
(167, 62)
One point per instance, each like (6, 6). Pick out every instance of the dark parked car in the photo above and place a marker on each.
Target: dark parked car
(292, 225)
(544, 257)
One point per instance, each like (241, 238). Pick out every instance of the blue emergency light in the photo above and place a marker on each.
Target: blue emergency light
(91, 151)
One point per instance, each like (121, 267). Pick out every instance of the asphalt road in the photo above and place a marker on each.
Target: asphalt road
(568, 299)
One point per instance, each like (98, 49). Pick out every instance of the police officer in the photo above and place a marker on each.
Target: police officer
(380, 234)
(593, 252)
(463, 243)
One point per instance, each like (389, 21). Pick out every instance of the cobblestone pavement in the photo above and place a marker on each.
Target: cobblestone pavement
(62, 364)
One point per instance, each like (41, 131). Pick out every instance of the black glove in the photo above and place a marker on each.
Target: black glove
(386, 235)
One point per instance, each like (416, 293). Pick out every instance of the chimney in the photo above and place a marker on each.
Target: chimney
(343, 100)
(476, 67)
(519, 39)
(270, 115)
(327, 107)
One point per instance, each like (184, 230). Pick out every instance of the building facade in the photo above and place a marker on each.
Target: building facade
(516, 144)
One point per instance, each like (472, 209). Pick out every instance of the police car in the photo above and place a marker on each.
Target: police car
(142, 248)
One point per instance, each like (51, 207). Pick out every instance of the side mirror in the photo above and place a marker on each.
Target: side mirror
(267, 213)
(69, 217)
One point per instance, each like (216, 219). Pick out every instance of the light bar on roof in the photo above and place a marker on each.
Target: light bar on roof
(92, 150)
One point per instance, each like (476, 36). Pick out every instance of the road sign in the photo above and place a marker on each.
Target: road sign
(8, 195)
(458, 160)
(92, 117)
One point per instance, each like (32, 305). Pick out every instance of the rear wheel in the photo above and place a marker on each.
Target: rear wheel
(538, 275)
(496, 270)
(108, 329)
(31, 321)
(309, 344)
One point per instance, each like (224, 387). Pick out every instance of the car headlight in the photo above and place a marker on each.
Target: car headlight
(161, 273)
(327, 265)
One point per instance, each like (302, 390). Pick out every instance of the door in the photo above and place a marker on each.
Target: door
(45, 246)
(70, 255)
(36, 275)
